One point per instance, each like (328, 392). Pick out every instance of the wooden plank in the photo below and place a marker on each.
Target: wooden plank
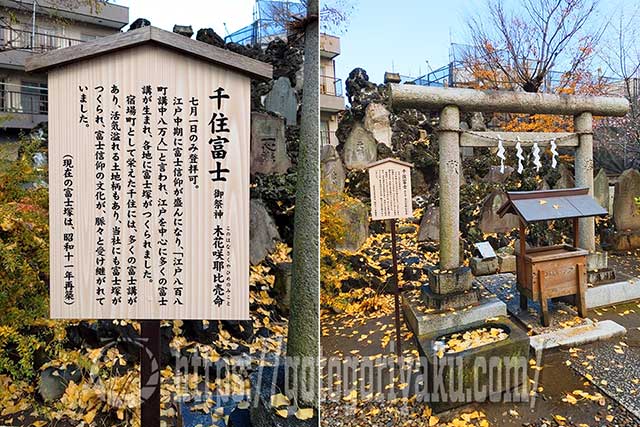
(544, 308)
(582, 289)
(240, 63)
(510, 139)
(87, 50)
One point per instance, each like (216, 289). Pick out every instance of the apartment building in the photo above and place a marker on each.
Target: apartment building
(28, 27)
(331, 96)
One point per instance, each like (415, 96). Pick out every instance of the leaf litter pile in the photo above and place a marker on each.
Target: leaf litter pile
(458, 342)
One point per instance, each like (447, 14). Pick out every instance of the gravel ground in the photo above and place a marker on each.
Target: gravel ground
(614, 365)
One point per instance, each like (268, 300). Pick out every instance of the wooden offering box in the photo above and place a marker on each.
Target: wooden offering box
(551, 271)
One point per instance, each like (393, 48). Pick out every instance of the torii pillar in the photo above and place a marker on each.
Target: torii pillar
(583, 126)
(449, 181)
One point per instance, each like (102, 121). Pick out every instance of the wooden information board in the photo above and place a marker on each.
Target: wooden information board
(390, 189)
(149, 181)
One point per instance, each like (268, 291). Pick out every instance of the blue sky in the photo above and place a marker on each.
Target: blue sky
(378, 38)
(405, 36)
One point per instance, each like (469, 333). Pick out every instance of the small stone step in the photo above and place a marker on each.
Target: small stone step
(578, 335)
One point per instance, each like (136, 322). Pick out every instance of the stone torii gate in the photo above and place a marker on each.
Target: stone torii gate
(451, 101)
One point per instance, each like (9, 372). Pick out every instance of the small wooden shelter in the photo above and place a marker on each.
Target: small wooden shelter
(551, 271)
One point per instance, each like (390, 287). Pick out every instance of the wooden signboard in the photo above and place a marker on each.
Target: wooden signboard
(149, 178)
(390, 192)
(390, 189)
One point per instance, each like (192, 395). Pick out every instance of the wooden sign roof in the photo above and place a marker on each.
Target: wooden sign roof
(222, 57)
(388, 160)
(546, 205)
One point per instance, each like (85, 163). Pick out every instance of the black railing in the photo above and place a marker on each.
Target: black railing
(329, 85)
(23, 101)
(11, 38)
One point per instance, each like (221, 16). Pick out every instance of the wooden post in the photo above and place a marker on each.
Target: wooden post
(396, 290)
(520, 272)
(582, 290)
(544, 307)
(150, 373)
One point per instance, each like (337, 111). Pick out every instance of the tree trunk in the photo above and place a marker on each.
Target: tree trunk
(303, 345)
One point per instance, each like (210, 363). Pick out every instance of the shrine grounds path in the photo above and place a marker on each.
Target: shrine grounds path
(613, 366)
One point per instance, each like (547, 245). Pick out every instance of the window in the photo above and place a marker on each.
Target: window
(325, 137)
(33, 97)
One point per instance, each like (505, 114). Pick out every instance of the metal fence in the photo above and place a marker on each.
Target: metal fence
(20, 99)
(11, 38)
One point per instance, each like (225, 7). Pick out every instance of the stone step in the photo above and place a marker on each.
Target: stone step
(578, 335)
(613, 293)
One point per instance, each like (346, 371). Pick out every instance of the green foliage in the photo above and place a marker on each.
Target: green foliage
(333, 228)
(24, 350)
(24, 261)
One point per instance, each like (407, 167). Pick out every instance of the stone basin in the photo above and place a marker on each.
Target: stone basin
(488, 372)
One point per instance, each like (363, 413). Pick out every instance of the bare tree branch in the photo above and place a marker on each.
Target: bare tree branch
(527, 46)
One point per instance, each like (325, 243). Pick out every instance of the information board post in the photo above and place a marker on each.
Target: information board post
(150, 373)
(390, 192)
(396, 288)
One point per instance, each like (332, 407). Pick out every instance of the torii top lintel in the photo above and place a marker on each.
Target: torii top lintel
(436, 98)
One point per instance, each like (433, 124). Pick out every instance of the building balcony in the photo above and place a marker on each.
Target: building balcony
(331, 99)
(107, 15)
(13, 39)
(329, 46)
(22, 106)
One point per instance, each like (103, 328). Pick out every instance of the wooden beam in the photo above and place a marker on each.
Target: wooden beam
(509, 139)
(501, 101)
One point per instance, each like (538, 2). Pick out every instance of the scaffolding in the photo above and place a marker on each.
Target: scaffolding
(265, 27)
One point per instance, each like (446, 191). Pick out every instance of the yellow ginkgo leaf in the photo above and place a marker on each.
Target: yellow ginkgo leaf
(278, 400)
(304, 413)
(282, 413)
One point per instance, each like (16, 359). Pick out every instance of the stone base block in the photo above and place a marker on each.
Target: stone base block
(422, 320)
(613, 293)
(476, 374)
(453, 301)
(578, 335)
(506, 263)
(483, 266)
(597, 261)
(264, 381)
(450, 281)
(600, 276)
